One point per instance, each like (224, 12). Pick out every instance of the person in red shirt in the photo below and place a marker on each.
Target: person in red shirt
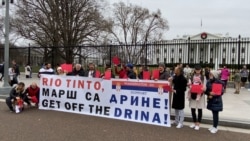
(122, 72)
(32, 94)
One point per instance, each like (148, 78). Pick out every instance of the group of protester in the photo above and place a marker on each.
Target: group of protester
(13, 73)
(19, 94)
(185, 78)
(180, 79)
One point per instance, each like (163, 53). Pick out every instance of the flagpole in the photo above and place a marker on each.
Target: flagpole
(201, 25)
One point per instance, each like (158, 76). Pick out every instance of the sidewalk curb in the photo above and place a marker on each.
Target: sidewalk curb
(222, 122)
(188, 118)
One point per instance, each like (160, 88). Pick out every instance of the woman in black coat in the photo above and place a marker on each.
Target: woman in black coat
(214, 101)
(179, 88)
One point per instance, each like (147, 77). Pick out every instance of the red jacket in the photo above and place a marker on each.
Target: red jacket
(33, 92)
(122, 72)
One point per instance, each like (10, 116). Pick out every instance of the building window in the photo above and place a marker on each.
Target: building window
(157, 60)
(172, 50)
(211, 60)
(165, 50)
(242, 60)
(232, 60)
(202, 49)
(223, 60)
(243, 50)
(192, 49)
(191, 60)
(224, 49)
(179, 60)
(172, 60)
(233, 50)
(165, 60)
(157, 51)
(211, 49)
(180, 50)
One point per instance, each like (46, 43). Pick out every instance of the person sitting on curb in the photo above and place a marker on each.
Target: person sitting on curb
(32, 94)
(16, 94)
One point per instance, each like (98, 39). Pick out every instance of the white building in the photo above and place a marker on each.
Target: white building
(201, 48)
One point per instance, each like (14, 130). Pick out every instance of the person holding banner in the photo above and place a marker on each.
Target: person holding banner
(108, 74)
(197, 84)
(91, 72)
(122, 72)
(45, 70)
(77, 71)
(179, 83)
(144, 73)
(130, 72)
(59, 71)
(214, 92)
(160, 73)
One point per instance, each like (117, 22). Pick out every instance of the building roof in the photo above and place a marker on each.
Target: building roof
(205, 35)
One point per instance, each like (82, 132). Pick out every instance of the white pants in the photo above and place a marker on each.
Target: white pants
(179, 116)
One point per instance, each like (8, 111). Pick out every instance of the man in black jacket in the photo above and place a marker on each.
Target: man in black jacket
(77, 71)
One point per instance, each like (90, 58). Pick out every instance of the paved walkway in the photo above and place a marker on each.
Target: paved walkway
(46, 125)
(236, 112)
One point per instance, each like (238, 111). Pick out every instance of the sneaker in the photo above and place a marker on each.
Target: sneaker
(211, 128)
(192, 126)
(174, 123)
(17, 110)
(197, 127)
(214, 130)
(179, 125)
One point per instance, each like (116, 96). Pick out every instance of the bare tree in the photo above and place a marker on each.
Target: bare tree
(136, 25)
(63, 24)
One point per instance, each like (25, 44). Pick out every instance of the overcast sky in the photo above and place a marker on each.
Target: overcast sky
(216, 16)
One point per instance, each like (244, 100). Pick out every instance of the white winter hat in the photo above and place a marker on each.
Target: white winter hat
(215, 73)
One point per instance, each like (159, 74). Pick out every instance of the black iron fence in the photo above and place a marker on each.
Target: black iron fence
(213, 53)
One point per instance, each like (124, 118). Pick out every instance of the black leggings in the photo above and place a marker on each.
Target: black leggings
(193, 111)
(225, 82)
(215, 118)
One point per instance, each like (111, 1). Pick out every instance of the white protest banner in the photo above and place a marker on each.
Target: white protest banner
(143, 101)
